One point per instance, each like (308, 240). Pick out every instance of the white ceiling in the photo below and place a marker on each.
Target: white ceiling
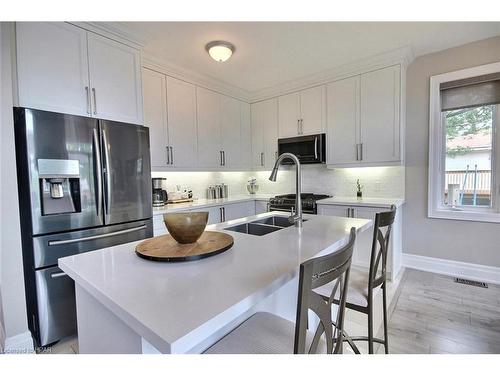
(272, 53)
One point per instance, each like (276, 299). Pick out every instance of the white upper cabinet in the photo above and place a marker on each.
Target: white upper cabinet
(289, 115)
(230, 126)
(63, 68)
(312, 110)
(302, 112)
(256, 115)
(343, 121)
(246, 136)
(181, 109)
(223, 131)
(52, 67)
(155, 115)
(115, 76)
(209, 136)
(364, 125)
(380, 112)
(264, 133)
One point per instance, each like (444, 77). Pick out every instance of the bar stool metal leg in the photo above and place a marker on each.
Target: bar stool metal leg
(386, 340)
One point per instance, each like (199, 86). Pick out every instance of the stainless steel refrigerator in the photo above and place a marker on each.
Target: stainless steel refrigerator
(84, 184)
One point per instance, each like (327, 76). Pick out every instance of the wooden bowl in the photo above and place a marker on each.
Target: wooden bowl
(186, 227)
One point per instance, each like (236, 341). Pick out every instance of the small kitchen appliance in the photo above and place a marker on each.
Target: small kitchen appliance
(309, 149)
(160, 196)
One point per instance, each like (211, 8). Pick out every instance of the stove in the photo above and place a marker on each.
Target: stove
(286, 202)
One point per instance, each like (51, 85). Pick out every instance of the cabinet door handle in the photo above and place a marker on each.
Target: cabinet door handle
(301, 126)
(361, 151)
(95, 101)
(87, 94)
(224, 158)
(220, 157)
(261, 159)
(298, 126)
(172, 155)
(168, 154)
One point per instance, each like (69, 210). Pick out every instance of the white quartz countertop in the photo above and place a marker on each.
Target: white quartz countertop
(203, 202)
(365, 202)
(345, 201)
(174, 305)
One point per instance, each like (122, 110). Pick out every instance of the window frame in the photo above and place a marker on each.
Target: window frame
(437, 157)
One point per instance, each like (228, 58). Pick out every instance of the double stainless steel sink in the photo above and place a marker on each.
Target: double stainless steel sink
(261, 227)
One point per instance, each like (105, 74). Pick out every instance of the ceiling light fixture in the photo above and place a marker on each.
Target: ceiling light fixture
(219, 50)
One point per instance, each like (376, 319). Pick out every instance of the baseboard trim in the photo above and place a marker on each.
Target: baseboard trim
(19, 344)
(471, 271)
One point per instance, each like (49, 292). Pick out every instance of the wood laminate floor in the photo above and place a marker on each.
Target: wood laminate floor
(433, 314)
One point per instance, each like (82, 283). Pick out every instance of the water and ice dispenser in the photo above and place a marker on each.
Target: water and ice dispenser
(59, 186)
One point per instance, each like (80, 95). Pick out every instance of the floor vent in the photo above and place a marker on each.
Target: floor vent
(471, 282)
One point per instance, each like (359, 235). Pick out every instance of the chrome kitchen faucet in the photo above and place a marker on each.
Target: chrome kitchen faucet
(294, 218)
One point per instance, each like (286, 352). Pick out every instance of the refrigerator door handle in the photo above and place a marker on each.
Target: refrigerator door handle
(97, 153)
(107, 173)
(90, 238)
(58, 274)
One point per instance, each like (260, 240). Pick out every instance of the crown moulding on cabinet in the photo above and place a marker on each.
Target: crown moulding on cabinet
(154, 61)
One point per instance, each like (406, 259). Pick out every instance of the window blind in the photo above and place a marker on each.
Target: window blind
(470, 92)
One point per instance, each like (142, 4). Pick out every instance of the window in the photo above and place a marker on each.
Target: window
(464, 157)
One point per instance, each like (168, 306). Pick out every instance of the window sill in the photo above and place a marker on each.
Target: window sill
(465, 215)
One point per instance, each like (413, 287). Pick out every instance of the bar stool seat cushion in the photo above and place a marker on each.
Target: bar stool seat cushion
(357, 292)
(262, 333)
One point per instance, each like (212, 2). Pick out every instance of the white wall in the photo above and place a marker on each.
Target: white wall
(11, 275)
(471, 242)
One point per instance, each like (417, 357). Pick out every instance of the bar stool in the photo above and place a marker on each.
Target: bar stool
(267, 333)
(363, 283)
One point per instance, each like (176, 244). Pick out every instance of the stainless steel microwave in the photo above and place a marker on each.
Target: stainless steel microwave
(310, 149)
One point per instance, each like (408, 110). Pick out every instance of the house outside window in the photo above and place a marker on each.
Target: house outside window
(464, 155)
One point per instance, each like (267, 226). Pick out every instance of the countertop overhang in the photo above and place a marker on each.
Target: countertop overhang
(175, 305)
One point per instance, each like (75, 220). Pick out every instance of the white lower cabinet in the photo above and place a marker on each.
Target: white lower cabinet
(363, 246)
(238, 210)
(261, 207)
(159, 227)
(216, 214)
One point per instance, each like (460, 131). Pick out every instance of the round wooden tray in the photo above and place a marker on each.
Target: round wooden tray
(166, 249)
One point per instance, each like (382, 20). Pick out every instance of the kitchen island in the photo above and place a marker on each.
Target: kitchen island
(126, 304)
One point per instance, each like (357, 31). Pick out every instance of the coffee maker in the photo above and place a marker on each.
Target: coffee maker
(160, 196)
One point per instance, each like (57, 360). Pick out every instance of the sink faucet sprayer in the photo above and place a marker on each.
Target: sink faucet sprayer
(294, 218)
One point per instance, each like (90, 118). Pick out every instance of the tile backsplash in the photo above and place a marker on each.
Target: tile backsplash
(377, 182)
